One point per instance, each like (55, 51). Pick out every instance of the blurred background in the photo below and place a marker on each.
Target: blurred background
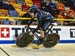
(62, 10)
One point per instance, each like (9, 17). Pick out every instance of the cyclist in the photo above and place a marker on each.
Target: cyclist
(44, 20)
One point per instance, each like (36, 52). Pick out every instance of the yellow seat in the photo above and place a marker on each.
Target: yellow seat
(17, 6)
(12, 2)
(29, 2)
(20, 12)
(3, 12)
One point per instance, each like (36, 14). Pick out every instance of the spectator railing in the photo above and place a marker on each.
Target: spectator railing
(22, 18)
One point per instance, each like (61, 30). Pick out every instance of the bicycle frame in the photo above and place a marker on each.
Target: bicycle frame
(29, 29)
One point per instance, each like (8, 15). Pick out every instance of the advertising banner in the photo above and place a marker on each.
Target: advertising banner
(8, 32)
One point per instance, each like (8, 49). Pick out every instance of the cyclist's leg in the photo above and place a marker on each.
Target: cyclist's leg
(47, 23)
(40, 27)
(42, 33)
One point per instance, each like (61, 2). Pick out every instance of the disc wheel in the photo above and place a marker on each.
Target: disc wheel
(24, 39)
(51, 40)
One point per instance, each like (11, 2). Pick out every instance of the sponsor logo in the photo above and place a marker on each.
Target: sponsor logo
(72, 33)
(5, 32)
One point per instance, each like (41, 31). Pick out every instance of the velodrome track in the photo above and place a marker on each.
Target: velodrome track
(61, 49)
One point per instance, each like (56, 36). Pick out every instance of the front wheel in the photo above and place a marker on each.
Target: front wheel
(51, 40)
(24, 39)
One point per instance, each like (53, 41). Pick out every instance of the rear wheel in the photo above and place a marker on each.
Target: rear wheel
(51, 40)
(24, 39)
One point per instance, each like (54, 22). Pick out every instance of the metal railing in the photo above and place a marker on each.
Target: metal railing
(22, 18)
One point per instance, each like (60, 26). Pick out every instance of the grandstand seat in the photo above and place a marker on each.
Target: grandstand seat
(29, 2)
(37, 3)
(3, 12)
(20, 1)
(12, 2)
(25, 7)
(17, 6)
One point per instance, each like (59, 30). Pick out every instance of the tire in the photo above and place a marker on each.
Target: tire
(24, 39)
(49, 44)
(53, 36)
(51, 40)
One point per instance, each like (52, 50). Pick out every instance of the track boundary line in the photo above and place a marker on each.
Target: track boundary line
(4, 51)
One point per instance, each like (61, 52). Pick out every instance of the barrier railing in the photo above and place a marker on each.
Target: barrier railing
(22, 18)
